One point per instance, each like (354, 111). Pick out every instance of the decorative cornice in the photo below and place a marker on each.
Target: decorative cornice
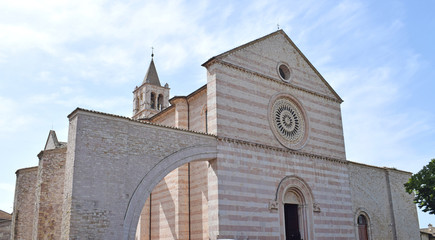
(278, 149)
(225, 63)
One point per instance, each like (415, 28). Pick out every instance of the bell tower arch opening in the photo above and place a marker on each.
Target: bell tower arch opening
(152, 96)
(153, 100)
(160, 102)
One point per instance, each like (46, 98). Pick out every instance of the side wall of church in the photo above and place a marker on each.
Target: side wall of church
(49, 194)
(24, 203)
(118, 154)
(197, 114)
(249, 176)
(379, 194)
(405, 214)
(171, 210)
(169, 207)
(168, 119)
(199, 181)
(179, 205)
(143, 226)
(199, 200)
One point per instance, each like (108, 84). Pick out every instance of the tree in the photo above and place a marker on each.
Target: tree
(423, 186)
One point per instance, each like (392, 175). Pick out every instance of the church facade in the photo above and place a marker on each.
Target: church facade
(256, 153)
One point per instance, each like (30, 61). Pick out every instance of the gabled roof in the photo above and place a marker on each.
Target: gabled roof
(151, 76)
(52, 142)
(5, 216)
(223, 55)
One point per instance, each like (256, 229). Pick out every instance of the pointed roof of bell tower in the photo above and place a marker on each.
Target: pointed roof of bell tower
(151, 76)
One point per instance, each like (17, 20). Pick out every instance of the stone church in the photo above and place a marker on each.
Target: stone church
(256, 153)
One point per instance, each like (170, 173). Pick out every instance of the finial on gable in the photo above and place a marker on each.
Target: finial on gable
(152, 52)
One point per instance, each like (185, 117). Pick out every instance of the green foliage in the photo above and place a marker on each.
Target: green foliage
(423, 186)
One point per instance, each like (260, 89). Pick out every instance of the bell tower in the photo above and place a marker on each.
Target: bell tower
(150, 97)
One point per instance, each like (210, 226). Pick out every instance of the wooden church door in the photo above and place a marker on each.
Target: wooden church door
(291, 222)
(362, 228)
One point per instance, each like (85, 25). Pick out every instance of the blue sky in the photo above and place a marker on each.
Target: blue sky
(59, 55)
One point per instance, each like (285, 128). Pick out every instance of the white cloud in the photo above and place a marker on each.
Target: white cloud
(12, 118)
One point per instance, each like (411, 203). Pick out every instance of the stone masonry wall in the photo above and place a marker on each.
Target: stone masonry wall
(244, 83)
(249, 176)
(169, 215)
(168, 119)
(49, 194)
(389, 216)
(405, 213)
(197, 107)
(24, 203)
(199, 200)
(170, 205)
(111, 156)
(143, 226)
(5, 230)
(199, 181)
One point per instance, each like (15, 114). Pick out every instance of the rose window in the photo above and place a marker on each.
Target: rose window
(288, 123)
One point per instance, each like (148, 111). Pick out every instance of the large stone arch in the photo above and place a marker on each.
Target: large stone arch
(112, 164)
(155, 175)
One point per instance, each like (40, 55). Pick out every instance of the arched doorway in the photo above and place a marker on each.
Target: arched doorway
(362, 227)
(295, 206)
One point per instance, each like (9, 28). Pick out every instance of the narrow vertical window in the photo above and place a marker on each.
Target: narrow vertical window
(206, 122)
(362, 228)
(153, 100)
(137, 104)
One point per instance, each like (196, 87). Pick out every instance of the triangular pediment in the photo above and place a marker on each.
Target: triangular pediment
(264, 55)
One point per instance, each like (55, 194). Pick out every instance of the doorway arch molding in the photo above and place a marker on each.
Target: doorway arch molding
(298, 186)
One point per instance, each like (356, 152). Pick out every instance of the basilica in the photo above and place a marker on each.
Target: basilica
(256, 153)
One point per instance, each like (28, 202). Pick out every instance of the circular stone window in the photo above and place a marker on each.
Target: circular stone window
(284, 72)
(287, 121)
